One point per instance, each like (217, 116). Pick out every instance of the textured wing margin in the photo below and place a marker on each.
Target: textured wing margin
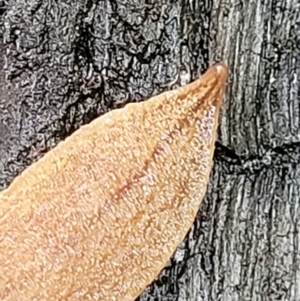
(99, 216)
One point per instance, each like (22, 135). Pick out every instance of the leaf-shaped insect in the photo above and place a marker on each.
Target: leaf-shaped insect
(98, 217)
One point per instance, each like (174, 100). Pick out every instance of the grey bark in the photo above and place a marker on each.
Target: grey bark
(64, 63)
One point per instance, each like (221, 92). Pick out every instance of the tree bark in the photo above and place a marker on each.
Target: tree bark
(65, 63)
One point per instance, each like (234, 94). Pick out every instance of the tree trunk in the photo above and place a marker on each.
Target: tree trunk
(64, 63)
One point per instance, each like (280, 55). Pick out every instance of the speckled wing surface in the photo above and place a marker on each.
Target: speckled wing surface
(99, 216)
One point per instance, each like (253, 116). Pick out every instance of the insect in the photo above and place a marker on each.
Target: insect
(99, 216)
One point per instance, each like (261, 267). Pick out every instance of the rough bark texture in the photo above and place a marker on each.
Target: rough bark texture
(64, 63)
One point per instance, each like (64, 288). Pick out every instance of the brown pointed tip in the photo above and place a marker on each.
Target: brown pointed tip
(222, 71)
(221, 68)
(214, 79)
(218, 70)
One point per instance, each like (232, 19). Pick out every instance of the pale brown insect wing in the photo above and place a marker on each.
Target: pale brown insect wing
(99, 215)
